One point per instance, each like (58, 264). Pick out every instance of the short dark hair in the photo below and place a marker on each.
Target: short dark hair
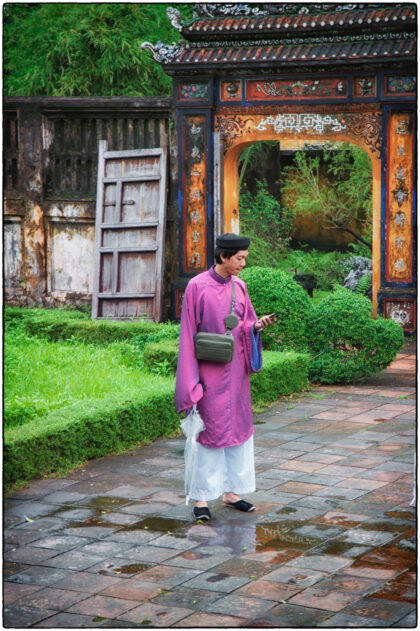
(227, 253)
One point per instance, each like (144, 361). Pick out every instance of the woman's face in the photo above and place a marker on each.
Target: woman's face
(235, 263)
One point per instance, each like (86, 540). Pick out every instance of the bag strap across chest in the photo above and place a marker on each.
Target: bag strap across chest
(231, 321)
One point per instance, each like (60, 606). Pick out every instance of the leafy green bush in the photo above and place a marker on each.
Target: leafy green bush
(281, 374)
(162, 357)
(346, 342)
(267, 225)
(271, 290)
(390, 340)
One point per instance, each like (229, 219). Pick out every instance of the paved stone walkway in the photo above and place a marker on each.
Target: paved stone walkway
(331, 543)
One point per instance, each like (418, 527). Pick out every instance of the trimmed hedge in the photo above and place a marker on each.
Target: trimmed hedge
(61, 324)
(347, 343)
(94, 428)
(87, 429)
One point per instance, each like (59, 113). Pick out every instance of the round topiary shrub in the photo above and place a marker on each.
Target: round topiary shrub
(346, 342)
(271, 290)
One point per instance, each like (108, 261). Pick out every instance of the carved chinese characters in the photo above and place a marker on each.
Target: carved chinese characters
(194, 194)
(399, 197)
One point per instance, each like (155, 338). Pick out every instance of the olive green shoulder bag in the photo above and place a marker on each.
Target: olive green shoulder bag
(218, 347)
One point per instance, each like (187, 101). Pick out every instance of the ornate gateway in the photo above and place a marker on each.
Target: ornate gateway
(296, 73)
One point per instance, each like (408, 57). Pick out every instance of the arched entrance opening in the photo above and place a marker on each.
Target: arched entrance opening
(256, 129)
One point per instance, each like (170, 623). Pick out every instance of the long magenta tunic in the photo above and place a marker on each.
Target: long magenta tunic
(221, 391)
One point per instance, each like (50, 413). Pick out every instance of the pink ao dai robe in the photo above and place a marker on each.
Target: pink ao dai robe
(221, 390)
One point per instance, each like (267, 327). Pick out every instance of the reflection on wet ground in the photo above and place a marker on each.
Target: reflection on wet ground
(342, 549)
(258, 538)
(387, 525)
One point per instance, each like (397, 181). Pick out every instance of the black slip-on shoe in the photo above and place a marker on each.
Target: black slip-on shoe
(201, 513)
(242, 505)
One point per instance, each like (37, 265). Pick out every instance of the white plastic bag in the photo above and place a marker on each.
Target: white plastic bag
(191, 426)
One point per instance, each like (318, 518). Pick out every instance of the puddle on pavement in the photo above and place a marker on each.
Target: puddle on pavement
(341, 548)
(157, 524)
(62, 509)
(104, 503)
(266, 537)
(94, 522)
(195, 555)
(286, 510)
(132, 569)
(217, 578)
(124, 569)
(96, 504)
(338, 520)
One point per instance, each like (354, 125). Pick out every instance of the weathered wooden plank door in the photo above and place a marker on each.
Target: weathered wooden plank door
(129, 236)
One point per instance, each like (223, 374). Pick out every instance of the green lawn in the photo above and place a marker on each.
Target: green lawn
(40, 376)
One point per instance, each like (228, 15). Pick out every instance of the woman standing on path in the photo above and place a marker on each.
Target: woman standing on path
(225, 456)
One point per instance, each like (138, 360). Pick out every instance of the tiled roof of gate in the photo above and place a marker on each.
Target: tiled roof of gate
(275, 25)
(293, 35)
(296, 54)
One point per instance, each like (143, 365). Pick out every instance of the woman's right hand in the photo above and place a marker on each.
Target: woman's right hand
(264, 321)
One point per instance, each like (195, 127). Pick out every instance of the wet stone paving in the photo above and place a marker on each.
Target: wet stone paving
(331, 543)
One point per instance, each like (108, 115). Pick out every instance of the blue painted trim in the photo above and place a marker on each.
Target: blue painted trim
(209, 188)
(384, 161)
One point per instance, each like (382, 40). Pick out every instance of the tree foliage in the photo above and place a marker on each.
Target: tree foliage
(265, 223)
(337, 186)
(70, 49)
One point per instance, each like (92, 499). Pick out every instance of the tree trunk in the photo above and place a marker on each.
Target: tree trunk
(347, 229)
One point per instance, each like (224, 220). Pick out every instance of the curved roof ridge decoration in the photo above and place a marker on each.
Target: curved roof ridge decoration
(213, 10)
(207, 12)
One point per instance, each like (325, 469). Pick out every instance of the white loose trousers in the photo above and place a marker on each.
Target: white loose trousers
(223, 470)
